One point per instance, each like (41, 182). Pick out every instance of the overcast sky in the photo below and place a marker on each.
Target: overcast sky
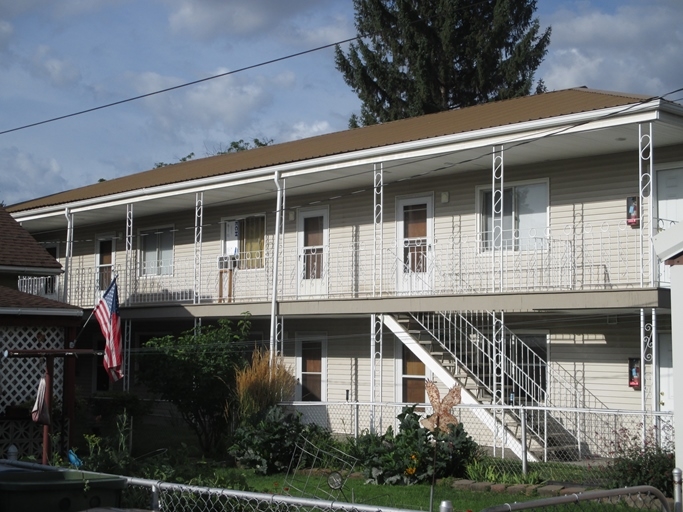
(58, 57)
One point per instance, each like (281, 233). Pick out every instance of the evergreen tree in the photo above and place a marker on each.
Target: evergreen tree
(416, 57)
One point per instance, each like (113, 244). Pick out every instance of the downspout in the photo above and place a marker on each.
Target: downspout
(69, 252)
(276, 259)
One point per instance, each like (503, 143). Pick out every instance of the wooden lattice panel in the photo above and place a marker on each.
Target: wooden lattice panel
(19, 376)
(25, 435)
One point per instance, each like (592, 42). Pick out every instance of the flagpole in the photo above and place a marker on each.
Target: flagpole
(73, 343)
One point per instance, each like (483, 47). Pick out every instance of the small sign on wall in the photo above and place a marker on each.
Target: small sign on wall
(632, 211)
(634, 372)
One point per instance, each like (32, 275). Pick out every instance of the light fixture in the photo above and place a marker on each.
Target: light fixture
(445, 197)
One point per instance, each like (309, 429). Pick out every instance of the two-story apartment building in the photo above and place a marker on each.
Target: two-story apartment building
(504, 247)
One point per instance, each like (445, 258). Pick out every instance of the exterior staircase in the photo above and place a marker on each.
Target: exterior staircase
(494, 366)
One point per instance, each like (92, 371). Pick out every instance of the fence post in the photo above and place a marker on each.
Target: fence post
(678, 495)
(446, 506)
(357, 421)
(522, 417)
(155, 498)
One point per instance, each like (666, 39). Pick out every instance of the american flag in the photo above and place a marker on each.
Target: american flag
(107, 314)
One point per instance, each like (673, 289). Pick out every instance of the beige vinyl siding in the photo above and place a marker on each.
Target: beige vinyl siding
(589, 202)
(598, 356)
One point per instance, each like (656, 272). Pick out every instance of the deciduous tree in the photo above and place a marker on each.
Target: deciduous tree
(196, 372)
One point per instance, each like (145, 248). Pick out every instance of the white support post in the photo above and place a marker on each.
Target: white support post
(648, 340)
(68, 253)
(497, 216)
(280, 335)
(377, 323)
(131, 275)
(378, 230)
(279, 222)
(127, 337)
(498, 343)
(644, 341)
(198, 228)
(647, 193)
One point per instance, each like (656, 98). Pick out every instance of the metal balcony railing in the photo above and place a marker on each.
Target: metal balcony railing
(574, 257)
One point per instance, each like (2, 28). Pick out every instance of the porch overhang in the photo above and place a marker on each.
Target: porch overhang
(560, 302)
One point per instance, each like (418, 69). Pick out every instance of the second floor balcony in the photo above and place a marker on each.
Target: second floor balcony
(585, 257)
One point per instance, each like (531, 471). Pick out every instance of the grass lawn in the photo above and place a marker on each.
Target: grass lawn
(415, 497)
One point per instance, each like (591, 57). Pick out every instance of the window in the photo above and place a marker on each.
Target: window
(51, 281)
(311, 371)
(313, 247)
(311, 354)
(415, 238)
(525, 217)
(244, 238)
(413, 378)
(105, 262)
(156, 248)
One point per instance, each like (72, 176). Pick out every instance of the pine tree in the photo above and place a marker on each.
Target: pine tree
(416, 57)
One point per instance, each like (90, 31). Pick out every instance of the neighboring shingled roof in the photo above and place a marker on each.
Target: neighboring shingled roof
(19, 249)
(488, 115)
(14, 299)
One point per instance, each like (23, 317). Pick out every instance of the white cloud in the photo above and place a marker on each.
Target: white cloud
(227, 103)
(30, 177)
(207, 19)
(302, 130)
(337, 27)
(6, 32)
(59, 72)
(633, 49)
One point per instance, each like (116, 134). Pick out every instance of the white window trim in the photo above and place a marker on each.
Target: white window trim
(225, 220)
(170, 227)
(480, 218)
(311, 336)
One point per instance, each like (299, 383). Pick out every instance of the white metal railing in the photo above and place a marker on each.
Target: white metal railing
(580, 257)
(510, 371)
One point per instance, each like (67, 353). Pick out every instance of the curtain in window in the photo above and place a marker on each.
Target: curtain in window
(157, 252)
(525, 217)
(531, 204)
(252, 230)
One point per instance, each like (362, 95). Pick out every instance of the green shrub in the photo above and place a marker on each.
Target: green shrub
(414, 454)
(268, 443)
(489, 470)
(639, 461)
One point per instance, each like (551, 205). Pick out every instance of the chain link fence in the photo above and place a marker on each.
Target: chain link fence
(168, 497)
(638, 498)
(578, 451)
(156, 496)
